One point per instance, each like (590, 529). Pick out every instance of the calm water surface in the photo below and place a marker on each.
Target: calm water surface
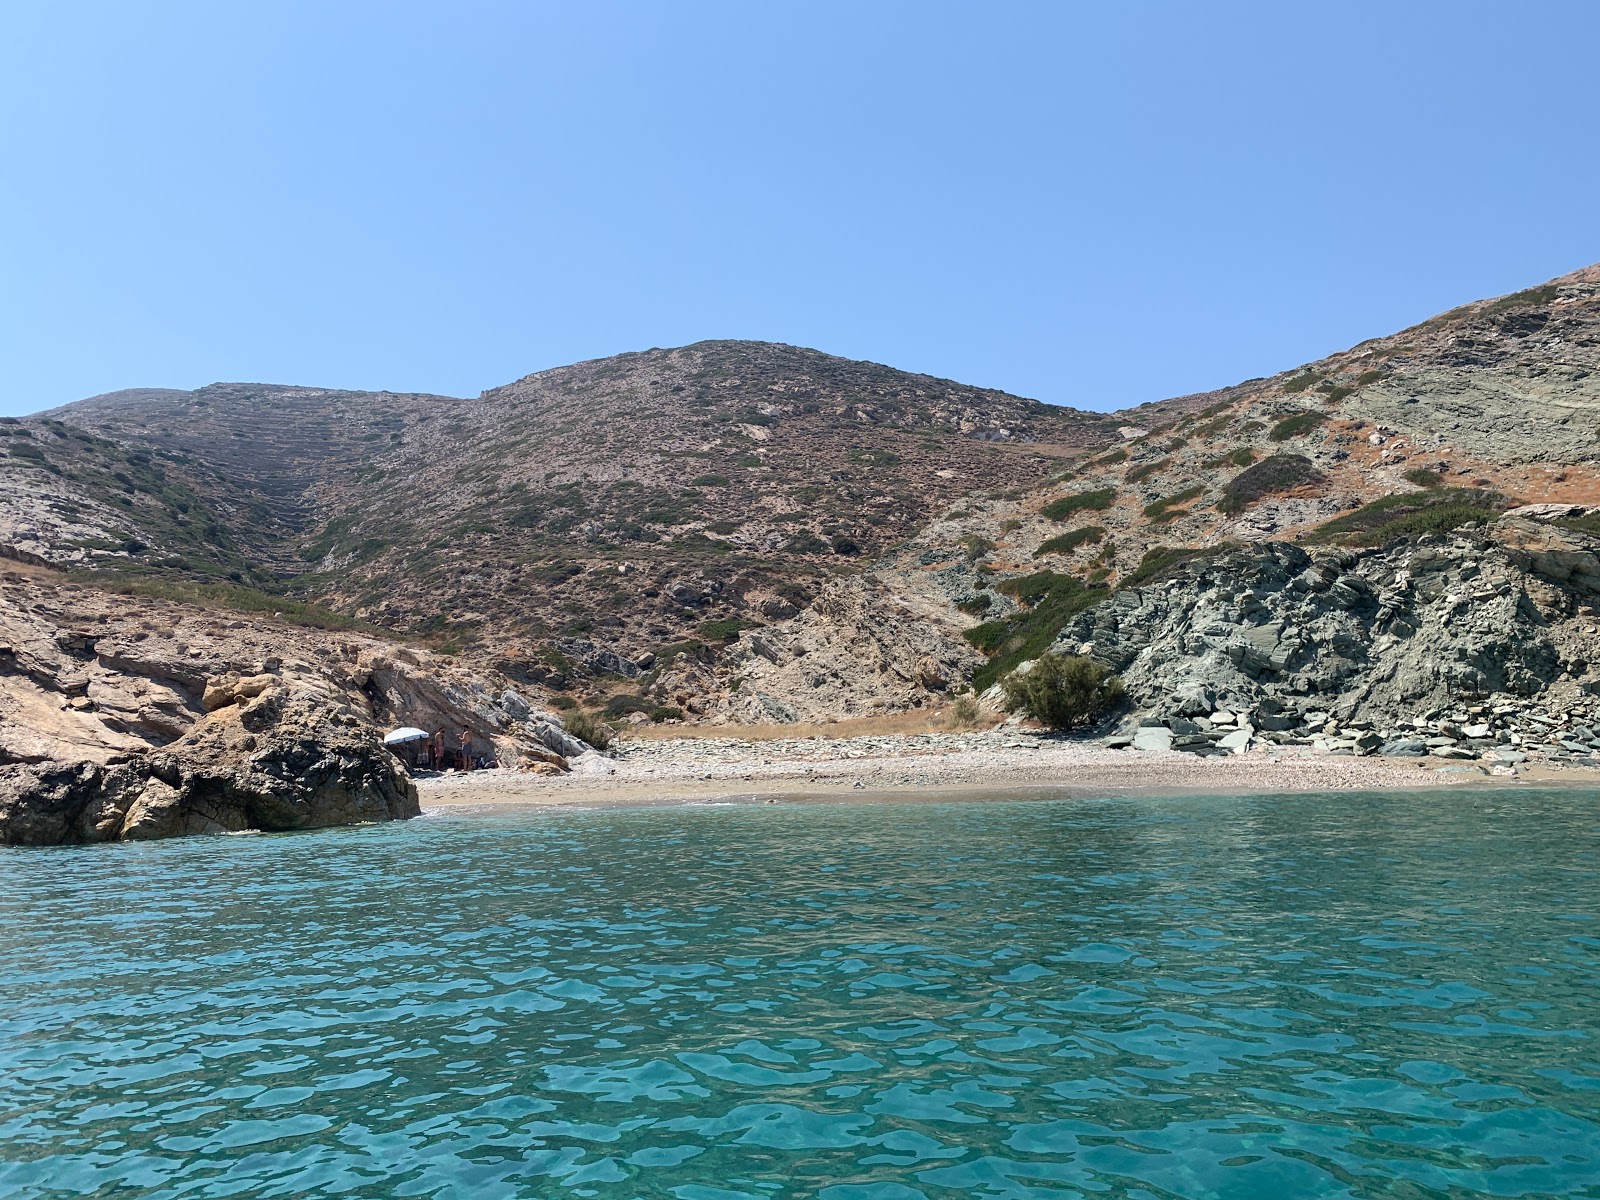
(1379, 996)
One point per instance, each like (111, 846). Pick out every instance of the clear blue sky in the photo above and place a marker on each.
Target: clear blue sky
(1091, 204)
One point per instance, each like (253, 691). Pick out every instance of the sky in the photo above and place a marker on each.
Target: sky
(1095, 205)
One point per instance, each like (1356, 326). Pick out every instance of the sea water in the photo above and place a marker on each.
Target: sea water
(1291, 996)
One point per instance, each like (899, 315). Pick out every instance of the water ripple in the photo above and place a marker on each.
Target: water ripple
(1196, 998)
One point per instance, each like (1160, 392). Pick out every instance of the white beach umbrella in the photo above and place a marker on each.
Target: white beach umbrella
(408, 734)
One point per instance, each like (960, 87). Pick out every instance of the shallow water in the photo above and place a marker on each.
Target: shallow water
(1375, 996)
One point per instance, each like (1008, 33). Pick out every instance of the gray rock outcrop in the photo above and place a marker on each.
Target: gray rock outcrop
(1380, 635)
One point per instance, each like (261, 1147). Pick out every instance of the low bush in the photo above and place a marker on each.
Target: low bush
(976, 546)
(232, 598)
(1296, 425)
(977, 605)
(724, 629)
(1071, 540)
(1242, 457)
(1156, 509)
(1424, 477)
(1136, 474)
(1588, 523)
(964, 713)
(1278, 474)
(1049, 601)
(1063, 691)
(1160, 561)
(585, 728)
(1410, 514)
(1063, 507)
(1300, 382)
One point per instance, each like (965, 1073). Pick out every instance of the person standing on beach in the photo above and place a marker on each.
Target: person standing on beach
(466, 749)
(437, 750)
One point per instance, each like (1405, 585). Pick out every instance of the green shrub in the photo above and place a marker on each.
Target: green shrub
(231, 597)
(977, 605)
(1280, 473)
(806, 542)
(709, 481)
(1242, 457)
(1367, 377)
(1300, 382)
(964, 713)
(1160, 561)
(1050, 600)
(1296, 425)
(1061, 508)
(1030, 589)
(1071, 540)
(1542, 294)
(1588, 523)
(725, 629)
(1063, 691)
(585, 728)
(875, 458)
(1136, 474)
(1410, 514)
(976, 546)
(1423, 477)
(1157, 508)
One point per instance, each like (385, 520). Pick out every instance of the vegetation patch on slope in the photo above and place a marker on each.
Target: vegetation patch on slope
(1049, 600)
(231, 598)
(1161, 561)
(1063, 507)
(1067, 542)
(1438, 510)
(1296, 425)
(1276, 475)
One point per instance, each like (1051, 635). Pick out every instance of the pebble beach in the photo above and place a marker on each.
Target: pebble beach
(1001, 763)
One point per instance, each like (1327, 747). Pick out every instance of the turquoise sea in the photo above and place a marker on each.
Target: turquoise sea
(1278, 997)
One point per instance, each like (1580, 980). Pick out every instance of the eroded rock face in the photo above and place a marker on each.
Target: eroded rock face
(1384, 635)
(860, 649)
(275, 760)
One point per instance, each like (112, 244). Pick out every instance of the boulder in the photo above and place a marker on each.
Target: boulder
(1238, 740)
(1152, 737)
(280, 761)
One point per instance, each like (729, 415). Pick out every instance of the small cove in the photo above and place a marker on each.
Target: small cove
(1345, 996)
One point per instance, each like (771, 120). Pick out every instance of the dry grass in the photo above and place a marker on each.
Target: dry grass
(922, 720)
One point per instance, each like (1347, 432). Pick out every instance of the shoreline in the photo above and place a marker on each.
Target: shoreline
(950, 767)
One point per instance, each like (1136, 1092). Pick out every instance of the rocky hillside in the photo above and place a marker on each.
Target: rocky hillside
(743, 531)
(640, 501)
(1486, 408)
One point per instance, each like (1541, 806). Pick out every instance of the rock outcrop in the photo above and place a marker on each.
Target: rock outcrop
(128, 717)
(860, 649)
(1380, 636)
(266, 758)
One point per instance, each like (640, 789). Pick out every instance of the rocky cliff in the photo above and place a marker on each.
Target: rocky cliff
(128, 716)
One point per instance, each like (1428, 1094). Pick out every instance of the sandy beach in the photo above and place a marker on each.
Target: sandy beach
(1001, 764)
